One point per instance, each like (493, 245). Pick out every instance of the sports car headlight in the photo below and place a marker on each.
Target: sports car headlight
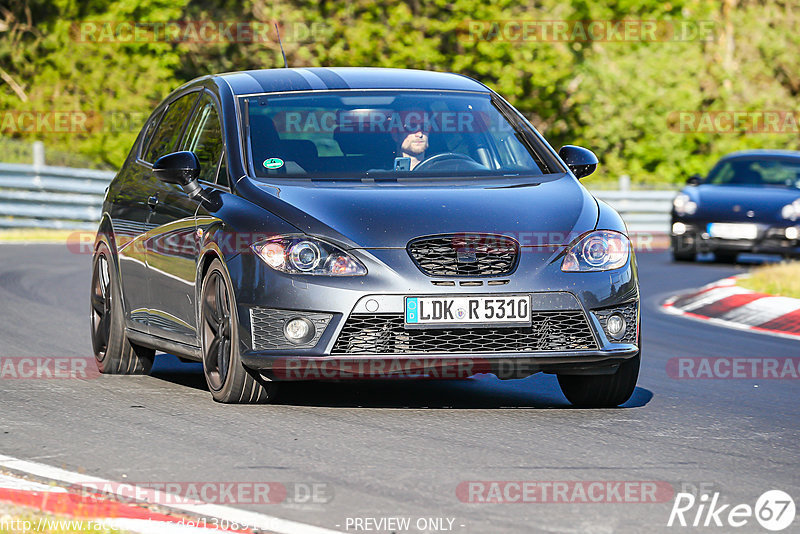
(791, 211)
(302, 255)
(684, 205)
(601, 250)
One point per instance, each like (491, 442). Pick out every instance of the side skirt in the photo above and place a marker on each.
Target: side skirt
(189, 352)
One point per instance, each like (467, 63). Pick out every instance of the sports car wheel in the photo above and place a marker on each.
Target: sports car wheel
(228, 380)
(602, 391)
(113, 352)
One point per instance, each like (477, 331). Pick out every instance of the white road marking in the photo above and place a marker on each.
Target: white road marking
(16, 483)
(761, 311)
(228, 513)
(709, 297)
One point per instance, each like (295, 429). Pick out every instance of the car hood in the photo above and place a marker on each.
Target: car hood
(389, 215)
(721, 202)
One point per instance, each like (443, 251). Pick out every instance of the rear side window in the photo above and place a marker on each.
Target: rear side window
(168, 132)
(204, 138)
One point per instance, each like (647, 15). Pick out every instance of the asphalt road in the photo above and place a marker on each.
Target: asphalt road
(401, 449)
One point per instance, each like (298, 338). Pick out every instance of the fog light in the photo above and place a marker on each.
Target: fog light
(678, 228)
(615, 324)
(793, 232)
(299, 330)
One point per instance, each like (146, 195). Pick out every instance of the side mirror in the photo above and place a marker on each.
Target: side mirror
(694, 179)
(180, 168)
(581, 161)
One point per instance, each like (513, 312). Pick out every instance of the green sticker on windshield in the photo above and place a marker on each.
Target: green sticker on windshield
(273, 163)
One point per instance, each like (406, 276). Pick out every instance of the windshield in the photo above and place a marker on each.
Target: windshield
(757, 172)
(386, 134)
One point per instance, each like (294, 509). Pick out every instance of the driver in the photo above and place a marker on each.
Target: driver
(412, 141)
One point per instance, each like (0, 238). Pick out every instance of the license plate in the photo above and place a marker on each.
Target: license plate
(466, 311)
(733, 230)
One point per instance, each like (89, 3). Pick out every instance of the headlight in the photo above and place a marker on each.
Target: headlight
(601, 250)
(791, 211)
(684, 205)
(300, 255)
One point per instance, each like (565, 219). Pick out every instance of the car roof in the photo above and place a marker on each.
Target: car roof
(322, 79)
(763, 152)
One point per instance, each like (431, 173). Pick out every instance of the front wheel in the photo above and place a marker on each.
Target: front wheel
(602, 391)
(228, 379)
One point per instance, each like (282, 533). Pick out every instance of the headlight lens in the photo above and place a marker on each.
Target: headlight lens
(684, 205)
(791, 211)
(601, 250)
(300, 255)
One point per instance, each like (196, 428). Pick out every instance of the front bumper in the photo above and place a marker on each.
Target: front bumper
(384, 349)
(771, 239)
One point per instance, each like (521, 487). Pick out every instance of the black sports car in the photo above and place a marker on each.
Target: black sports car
(318, 223)
(749, 202)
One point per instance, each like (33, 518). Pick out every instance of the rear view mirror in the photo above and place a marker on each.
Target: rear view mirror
(581, 161)
(180, 168)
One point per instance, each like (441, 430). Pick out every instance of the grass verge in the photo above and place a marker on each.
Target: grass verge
(777, 279)
(36, 235)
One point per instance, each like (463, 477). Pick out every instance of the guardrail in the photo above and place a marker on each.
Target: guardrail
(40, 196)
(643, 211)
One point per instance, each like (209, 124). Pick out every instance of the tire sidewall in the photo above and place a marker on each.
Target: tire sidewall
(116, 336)
(235, 377)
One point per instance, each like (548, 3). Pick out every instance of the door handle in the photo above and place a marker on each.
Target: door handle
(153, 201)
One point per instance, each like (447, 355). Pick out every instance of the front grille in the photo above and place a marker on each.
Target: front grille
(464, 254)
(386, 334)
(267, 328)
(628, 311)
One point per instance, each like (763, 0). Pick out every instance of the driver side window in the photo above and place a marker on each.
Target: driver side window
(204, 138)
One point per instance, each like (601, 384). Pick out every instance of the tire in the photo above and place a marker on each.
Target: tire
(725, 257)
(681, 251)
(113, 352)
(602, 391)
(683, 256)
(228, 379)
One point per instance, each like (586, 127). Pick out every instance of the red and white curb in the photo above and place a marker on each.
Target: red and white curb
(727, 304)
(60, 498)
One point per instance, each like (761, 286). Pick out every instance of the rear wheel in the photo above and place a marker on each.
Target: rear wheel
(228, 379)
(602, 391)
(113, 352)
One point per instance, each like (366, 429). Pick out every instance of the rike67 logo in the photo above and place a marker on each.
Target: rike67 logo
(774, 510)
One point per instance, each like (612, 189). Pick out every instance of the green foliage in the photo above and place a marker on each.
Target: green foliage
(616, 98)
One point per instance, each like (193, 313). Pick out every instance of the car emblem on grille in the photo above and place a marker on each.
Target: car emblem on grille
(466, 255)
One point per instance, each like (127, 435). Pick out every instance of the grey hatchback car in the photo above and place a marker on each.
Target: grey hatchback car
(353, 223)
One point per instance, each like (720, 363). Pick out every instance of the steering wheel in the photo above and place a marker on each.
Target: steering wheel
(444, 156)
